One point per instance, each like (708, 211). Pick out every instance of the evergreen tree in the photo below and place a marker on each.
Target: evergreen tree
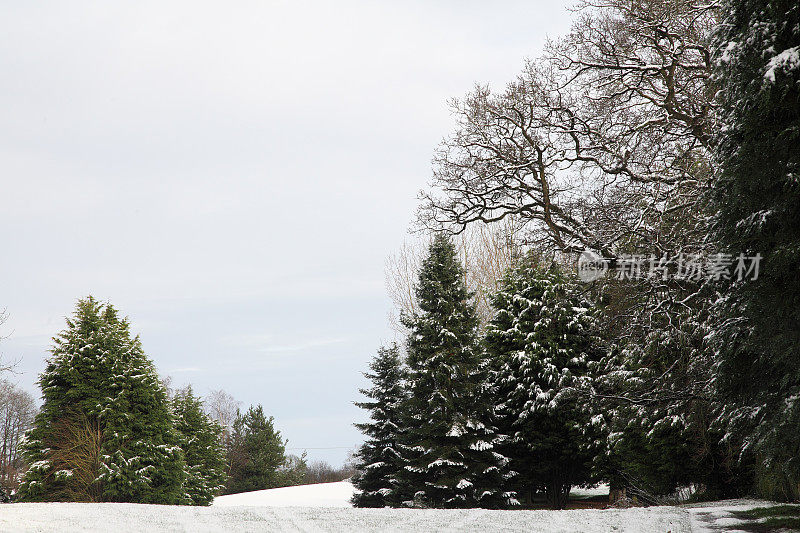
(756, 193)
(256, 453)
(542, 341)
(447, 446)
(378, 458)
(105, 431)
(295, 470)
(661, 416)
(201, 442)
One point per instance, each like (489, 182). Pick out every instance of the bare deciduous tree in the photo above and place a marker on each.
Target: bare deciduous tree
(17, 410)
(75, 451)
(166, 382)
(223, 408)
(4, 367)
(486, 251)
(323, 472)
(600, 144)
(595, 145)
(401, 273)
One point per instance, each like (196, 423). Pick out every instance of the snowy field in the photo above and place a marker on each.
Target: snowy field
(319, 495)
(714, 517)
(330, 495)
(325, 507)
(124, 517)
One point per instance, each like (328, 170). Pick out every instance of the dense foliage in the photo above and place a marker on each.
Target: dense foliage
(447, 446)
(654, 131)
(256, 453)
(105, 431)
(201, 442)
(542, 342)
(379, 460)
(757, 211)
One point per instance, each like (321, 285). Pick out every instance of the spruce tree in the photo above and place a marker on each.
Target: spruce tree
(201, 442)
(105, 431)
(448, 448)
(378, 458)
(757, 196)
(256, 453)
(543, 341)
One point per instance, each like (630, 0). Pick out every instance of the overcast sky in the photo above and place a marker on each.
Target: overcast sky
(232, 176)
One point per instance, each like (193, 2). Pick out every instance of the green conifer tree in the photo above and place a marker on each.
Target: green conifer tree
(201, 442)
(379, 461)
(542, 342)
(105, 431)
(448, 447)
(256, 453)
(757, 197)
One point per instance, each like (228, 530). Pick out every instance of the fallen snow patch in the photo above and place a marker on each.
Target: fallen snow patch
(579, 493)
(318, 495)
(712, 517)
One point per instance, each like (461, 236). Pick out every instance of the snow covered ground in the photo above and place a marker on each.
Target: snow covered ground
(325, 507)
(592, 492)
(124, 517)
(713, 517)
(319, 495)
(331, 495)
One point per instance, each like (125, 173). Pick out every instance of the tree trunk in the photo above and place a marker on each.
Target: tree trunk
(557, 494)
(616, 494)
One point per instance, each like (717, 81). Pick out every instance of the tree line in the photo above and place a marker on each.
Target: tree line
(653, 130)
(466, 419)
(111, 430)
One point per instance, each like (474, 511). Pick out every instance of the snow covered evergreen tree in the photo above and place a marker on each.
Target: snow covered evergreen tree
(542, 341)
(256, 453)
(201, 442)
(105, 431)
(447, 447)
(757, 196)
(378, 458)
(656, 399)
